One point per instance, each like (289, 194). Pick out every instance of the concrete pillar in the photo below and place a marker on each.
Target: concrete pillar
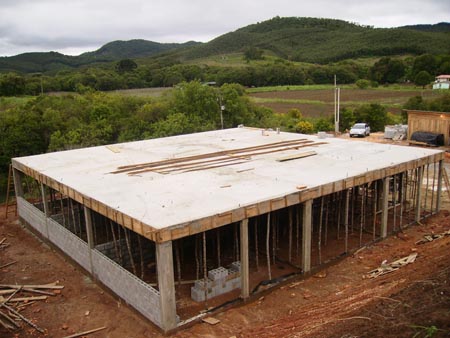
(306, 232)
(419, 194)
(90, 237)
(439, 186)
(166, 284)
(384, 207)
(245, 283)
(17, 176)
(45, 204)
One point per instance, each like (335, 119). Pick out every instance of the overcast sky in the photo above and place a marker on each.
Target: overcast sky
(76, 26)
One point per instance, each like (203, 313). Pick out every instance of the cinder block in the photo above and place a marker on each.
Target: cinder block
(200, 283)
(217, 274)
(236, 266)
(197, 295)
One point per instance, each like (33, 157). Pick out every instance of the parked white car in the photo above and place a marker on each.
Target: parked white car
(360, 129)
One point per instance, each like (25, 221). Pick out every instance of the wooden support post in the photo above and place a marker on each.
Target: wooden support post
(419, 194)
(218, 247)
(245, 281)
(268, 247)
(166, 284)
(401, 198)
(384, 207)
(306, 247)
(439, 187)
(256, 244)
(346, 212)
(290, 234)
(374, 210)
(18, 182)
(90, 236)
(46, 211)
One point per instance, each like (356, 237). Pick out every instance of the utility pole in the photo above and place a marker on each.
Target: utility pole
(222, 108)
(337, 99)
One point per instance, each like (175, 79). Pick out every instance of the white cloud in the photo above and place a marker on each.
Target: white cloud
(82, 25)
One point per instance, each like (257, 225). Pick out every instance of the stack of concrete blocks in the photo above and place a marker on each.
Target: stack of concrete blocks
(219, 281)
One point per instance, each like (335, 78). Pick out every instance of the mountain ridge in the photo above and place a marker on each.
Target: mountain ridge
(312, 40)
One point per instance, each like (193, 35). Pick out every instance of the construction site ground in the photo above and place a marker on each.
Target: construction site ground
(337, 301)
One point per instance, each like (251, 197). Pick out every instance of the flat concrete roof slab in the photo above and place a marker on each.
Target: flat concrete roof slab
(166, 200)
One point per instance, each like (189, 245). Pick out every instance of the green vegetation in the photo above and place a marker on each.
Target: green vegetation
(440, 104)
(49, 123)
(322, 40)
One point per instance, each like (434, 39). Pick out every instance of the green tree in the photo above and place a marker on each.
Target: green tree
(374, 114)
(126, 65)
(423, 78)
(425, 62)
(362, 84)
(253, 53)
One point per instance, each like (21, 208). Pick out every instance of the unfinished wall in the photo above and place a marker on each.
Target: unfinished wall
(31, 215)
(131, 289)
(134, 291)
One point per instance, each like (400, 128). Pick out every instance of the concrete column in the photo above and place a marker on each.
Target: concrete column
(45, 204)
(17, 175)
(419, 194)
(166, 284)
(384, 207)
(439, 186)
(306, 231)
(90, 236)
(245, 283)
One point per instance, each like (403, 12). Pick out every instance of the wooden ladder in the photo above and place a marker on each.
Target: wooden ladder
(10, 194)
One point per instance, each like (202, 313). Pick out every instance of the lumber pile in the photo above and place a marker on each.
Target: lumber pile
(386, 268)
(215, 159)
(15, 298)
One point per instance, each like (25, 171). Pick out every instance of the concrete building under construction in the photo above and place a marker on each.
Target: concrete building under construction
(177, 225)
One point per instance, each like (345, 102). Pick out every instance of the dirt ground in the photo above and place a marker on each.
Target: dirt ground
(335, 302)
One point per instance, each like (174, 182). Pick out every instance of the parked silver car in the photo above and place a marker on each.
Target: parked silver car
(360, 129)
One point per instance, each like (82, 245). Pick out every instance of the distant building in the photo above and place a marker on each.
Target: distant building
(442, 82)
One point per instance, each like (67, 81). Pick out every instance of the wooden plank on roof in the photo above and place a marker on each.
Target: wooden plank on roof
(296, 156)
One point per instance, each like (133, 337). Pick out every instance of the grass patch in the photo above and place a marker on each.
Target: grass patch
(287, 88)
(278, 100)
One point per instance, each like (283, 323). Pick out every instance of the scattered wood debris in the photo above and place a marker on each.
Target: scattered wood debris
(391, 267)
(86, 332)
(8, 264)
(3, 244)
(211, 320)
(432, 237)
(13, 305)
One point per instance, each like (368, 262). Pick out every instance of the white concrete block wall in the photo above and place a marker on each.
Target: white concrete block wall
(127, 286)
(31, 215)
(134, 291)
(72, 245)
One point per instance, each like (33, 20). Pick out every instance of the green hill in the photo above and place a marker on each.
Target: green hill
(113, 51)
(324, 40)
(309, 40)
